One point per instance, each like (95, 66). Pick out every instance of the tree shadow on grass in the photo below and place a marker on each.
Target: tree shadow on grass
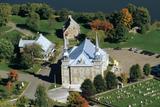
(59, 33)
(24, 26)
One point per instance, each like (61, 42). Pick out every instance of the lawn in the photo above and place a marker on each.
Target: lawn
(145, 93)
(4, 66)
(4, 29)
(149, 41)
(17, 19)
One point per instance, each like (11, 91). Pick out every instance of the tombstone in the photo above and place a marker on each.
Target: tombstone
(22, 84)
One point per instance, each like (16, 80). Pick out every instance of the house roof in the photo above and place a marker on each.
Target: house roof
(84, 54)
(46, 45)
(44, 42)
(23, 43)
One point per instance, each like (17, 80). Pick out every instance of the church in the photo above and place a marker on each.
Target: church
(82, 62)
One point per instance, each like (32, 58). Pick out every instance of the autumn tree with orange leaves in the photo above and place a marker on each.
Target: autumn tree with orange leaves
(126, 17)
(76, 100)
(13, 75)
(101, 25)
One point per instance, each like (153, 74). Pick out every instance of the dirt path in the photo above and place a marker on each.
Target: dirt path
(23, 31)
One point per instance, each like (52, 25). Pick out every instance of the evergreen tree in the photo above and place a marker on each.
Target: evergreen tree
(135, 73)
(147, 69)
(87, 88)
(41, 97)
(99, 83)
(111, 80)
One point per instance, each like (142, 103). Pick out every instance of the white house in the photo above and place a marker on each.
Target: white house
(47, 46)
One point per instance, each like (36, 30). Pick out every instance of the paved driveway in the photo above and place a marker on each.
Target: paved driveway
(33, 80)
(59, 94)
(127, 58)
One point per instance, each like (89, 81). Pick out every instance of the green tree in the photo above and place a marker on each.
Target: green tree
(99, 83)
(147, 69)
(15, 9)
(87, 88)
(4, 92)
(45, 11)
(111, 80)
(41, 97)
(5, 11)
(24, 10)
(132, 8)
(85, 17)
(115, 18)
(34, 50)
(100, 15)
(22, 102)
(6, 49)
(76, 100)
(119, 34)
(135, 73)
(63, 14)
(26, 61)
(33, 21)
(142, 17)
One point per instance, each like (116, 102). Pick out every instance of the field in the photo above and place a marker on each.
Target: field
(148, 41)
(142, 94)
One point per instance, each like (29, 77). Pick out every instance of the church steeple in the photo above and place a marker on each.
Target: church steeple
(97, 53)
(65, 54)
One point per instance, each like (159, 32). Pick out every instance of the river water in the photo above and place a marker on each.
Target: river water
(98, 5)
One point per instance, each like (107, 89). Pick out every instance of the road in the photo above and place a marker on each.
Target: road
(33, 80)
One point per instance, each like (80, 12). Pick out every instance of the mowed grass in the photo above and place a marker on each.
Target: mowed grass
(4, 29)
(17, 19)
(142, 94)
(4, 66)
(149, 41)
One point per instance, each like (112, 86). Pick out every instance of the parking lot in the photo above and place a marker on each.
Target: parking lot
(128, 58)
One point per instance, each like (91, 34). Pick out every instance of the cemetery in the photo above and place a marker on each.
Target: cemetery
(141, 94)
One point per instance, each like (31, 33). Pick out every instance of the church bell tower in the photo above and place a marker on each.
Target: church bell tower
(65, 65)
